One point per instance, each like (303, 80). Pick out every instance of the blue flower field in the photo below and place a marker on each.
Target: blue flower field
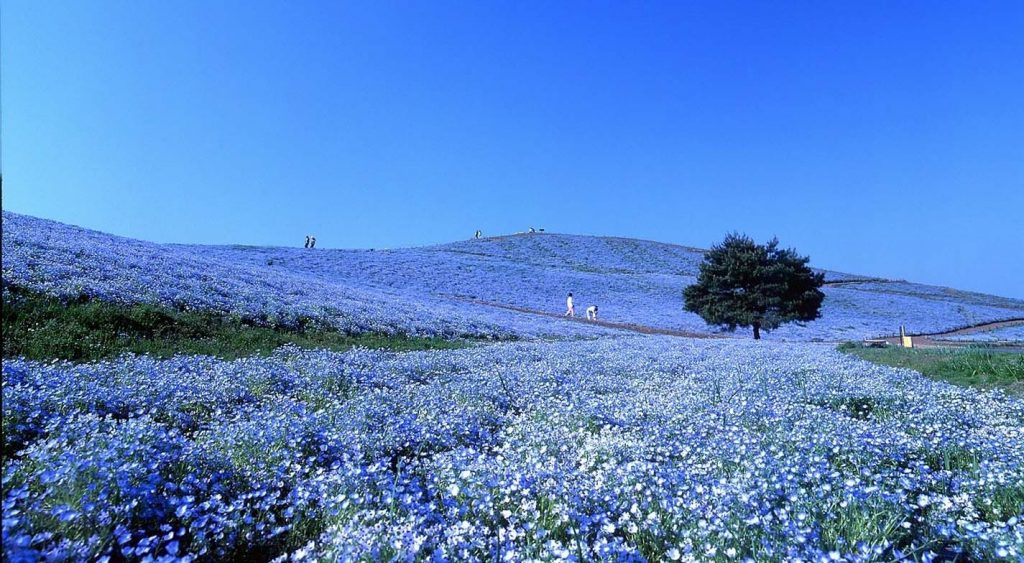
(437, 290)
(559, 441)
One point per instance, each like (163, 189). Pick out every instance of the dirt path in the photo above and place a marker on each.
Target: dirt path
(927, 340)
(642, 329)
(837, 283)
(923, 340)
(984, 327)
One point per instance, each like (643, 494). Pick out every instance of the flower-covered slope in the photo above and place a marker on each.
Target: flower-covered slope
(437, 290)
(632, 281)
(69, 262)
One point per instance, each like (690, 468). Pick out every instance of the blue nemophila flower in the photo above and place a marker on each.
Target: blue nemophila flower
(637, 448)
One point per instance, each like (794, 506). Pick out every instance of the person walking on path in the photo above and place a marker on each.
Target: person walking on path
(592, 313)
(570, 309)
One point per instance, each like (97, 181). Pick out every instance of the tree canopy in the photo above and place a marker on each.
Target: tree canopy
(745, 284)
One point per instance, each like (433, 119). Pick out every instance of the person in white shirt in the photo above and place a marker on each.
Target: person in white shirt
(592, 313)
(570, 309)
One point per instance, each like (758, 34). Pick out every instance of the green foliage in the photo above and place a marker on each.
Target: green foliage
(1001, 504)
(860, 408)
(742, 283)
(41, 327)
(870, 522)
(952, 458)
(967, 367)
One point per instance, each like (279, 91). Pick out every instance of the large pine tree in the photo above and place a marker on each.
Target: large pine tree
(742, 283)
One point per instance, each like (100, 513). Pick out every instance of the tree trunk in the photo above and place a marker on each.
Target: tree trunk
(757, 331)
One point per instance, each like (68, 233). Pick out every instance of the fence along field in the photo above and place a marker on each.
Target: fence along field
(613, 446)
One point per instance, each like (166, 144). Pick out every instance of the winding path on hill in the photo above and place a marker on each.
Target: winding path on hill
(983, 327)
(642, 329)
(926, 340)
(854, 281)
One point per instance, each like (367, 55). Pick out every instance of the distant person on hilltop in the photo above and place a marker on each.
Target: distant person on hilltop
(312, 242)
(570, 309)
(307, 242)
(592, 313)
(478, 234)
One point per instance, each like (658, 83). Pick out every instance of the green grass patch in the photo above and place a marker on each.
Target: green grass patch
(41, 327)
(860, 408)
(1001, 504)
(870, 522)
(967, 367)
(953, 458)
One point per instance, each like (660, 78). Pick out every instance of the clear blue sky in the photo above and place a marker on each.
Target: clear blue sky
(879, 138)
